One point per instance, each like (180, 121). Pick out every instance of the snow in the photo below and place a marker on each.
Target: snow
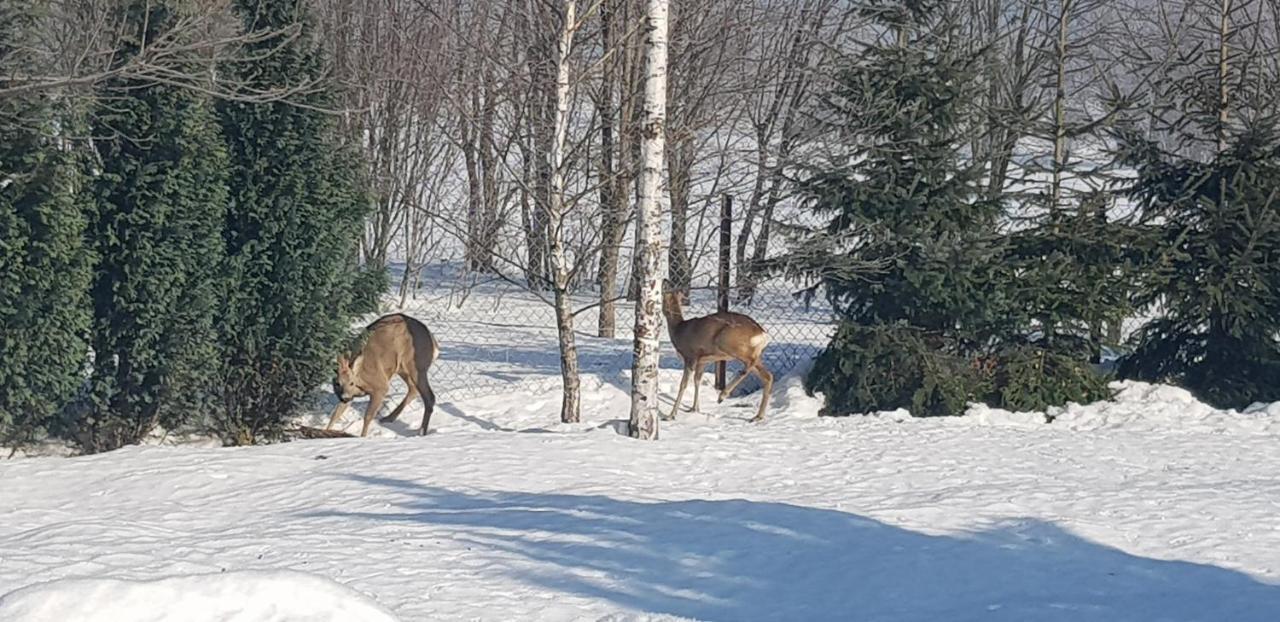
(1151, 506)
(1141, 406)
(248, 596)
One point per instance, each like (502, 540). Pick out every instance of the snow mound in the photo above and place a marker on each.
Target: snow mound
(789, 398)
(246, 596)
(1139, 406)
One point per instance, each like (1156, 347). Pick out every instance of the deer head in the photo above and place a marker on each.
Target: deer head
(345, 384)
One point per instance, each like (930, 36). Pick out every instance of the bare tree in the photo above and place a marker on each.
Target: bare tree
(619, 74)
(644, 368)
(788, 42)
(76, 45)
(557, 212)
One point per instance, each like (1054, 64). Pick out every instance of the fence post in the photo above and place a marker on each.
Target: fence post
(722, 290)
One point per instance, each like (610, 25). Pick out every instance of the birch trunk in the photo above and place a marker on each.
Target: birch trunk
(644, 369)
(570, 408)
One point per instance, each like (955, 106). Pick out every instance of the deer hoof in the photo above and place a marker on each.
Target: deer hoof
(389, 418)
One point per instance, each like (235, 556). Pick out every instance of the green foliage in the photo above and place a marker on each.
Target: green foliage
(1035, 376)
(297, 207)
(367, 289)
(885, 367)
(1212, 273)
(940, 307)
(160, 202)
(44, 270)
(1069, 278)
(908, 255)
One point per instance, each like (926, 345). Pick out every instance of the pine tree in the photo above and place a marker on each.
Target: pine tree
(44, 265)
(1213, 271)
(1063, 279)
(297, 207)
(908, 254)
(160, 203)
(1208, 191)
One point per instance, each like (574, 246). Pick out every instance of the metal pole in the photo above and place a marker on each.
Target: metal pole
(722, 293)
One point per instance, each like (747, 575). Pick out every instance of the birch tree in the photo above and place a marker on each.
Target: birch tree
(644, 368)
(571, 405)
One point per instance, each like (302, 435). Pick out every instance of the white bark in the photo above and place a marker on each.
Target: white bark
(571, 405)
(649, 243)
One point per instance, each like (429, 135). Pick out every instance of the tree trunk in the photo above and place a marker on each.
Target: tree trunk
(1059, 117)
(1224, 68)
(613, 224)
(679, 162)
(570, 409)
(486, 242)
(1005, 134)
(644, 370)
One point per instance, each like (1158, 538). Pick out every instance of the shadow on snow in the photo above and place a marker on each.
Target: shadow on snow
(738, 560)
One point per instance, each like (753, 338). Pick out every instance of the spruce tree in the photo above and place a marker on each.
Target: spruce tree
(297, 207)
(160, 201)
(1207, 158)
(909, 253)
(1213, 273)
(1063, 278)
(44, 264)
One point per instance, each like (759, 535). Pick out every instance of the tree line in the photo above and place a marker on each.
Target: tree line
(180, 220)
(992, 205)
(998, 185)
(1049, 118)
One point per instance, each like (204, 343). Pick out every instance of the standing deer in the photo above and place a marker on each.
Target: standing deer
(394, 345)
(721, 336)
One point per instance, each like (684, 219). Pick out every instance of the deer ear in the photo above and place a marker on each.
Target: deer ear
(343, 365)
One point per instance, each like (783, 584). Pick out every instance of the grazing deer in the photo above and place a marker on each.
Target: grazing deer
(394, 345)
(722, 336)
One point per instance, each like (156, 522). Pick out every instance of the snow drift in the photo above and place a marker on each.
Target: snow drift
(1138, 406)
(245, 596)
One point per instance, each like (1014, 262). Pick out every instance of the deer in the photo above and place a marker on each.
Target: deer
(393, 345)
(721, 336)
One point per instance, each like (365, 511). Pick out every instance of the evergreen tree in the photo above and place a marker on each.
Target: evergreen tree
(938, 306)
(1207, 159)
(44, 265)
(1063, 278)
(160, 203)
(908, 255)
(297, 208)
(1213, 273)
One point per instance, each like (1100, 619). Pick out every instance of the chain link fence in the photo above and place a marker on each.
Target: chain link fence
(497, 335)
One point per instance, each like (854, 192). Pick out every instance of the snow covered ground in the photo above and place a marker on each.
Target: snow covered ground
(1151, 507)
(245, 596)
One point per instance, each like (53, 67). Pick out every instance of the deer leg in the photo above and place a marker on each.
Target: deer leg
(337, 414)
(698, 368)
(767, 378)
(737, 380)
(375, 404)
(408, 397)
(684, 382)
(428, 401)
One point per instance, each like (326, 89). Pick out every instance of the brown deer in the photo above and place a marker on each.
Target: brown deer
(394, 345)
(722, 336)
